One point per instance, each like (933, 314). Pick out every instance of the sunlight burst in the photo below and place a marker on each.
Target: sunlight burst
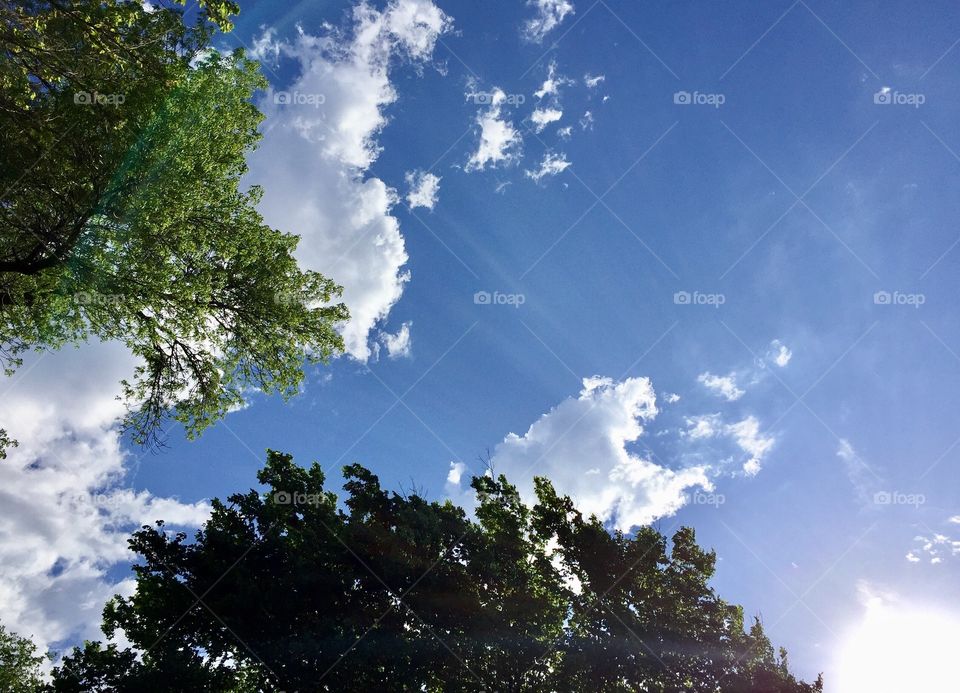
(897, 649)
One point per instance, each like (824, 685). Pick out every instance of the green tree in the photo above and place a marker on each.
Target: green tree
(289, 590)
(122, 146)
(19, 664)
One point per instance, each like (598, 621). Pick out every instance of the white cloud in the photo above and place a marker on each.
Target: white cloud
(935, 548)
(858, 471)
(744, 433)
(591, 81)
(265, 48)
(779, 353)
(594, 429)
(66, 508)
(747, 435)
(703, 426)
(550, 13)
(542, 117)
(499, 140)
(456, 473)
(400, 344)
(564, 132)
(423, 189)
(317, 147)
(586, 122)
(457, 486)
(954, 520)
(551, 165)
(724, 386)
(553, 82)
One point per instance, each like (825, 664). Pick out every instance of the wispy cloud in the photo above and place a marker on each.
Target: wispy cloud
(551, 165)
(549, 15)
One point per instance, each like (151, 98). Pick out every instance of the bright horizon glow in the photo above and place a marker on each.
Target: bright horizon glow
(897, 649)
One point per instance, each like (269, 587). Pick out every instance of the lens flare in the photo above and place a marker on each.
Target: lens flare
(897, 649)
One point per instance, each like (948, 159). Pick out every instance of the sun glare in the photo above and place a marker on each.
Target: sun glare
(897, 650)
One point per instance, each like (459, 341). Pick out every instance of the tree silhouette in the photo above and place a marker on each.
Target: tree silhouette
(287, 590)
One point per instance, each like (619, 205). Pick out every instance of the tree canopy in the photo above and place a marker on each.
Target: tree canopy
(123, 139)
(19, 664)
(290, 590)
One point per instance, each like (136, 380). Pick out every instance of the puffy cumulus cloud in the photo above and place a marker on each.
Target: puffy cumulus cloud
(724, 386)
(399, 344)
(778, 354)
(65, 510)
(581, 445)
(319, 140)
(542, 117)
(934, 548)
(552, 165)
(457, 486)
(455, 475)
(703, 426)
(423, 189)
(500, 142)
(549, 15)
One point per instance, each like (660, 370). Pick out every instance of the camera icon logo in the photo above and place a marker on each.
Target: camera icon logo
(682, 298)
(882, 298)
(282, 498)
(682, 97)
(882, 498)
(83, 98)
(884, 96)
(482, 298)
(483, 98)
(282, 98)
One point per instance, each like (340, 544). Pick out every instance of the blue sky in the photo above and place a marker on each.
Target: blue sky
(815, 166)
